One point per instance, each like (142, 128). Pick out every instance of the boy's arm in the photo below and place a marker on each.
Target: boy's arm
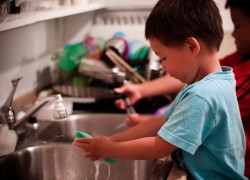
(159, 86)
(143, 148)
(144, 129)
(138, 142)
(163, 85)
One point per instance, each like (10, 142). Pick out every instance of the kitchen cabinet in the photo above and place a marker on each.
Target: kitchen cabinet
(18, 20)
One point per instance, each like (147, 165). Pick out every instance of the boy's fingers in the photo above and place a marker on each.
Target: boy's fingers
(92, 156)
(87, 155)
(120, 103)
(95, 158)
(82, 140)
(129, 123)
(81, 145)
(119, 90)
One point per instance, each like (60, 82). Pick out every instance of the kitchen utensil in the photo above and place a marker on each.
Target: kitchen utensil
(98, 70)
(123, 65)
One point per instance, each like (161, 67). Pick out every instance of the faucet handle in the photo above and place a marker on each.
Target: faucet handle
(7, 112)
(10, 116)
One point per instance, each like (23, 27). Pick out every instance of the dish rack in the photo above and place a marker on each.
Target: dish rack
(131, 22)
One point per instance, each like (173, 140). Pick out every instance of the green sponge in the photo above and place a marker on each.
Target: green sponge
(80, 134)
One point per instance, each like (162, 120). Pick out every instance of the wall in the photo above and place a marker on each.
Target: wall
(26, 51)
(227, 45)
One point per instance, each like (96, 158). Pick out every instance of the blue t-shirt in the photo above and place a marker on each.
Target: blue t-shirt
(204, 122)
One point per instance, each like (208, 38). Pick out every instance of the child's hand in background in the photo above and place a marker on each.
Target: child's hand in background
(134, 119)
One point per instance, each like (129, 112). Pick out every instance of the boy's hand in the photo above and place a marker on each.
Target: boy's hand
(94, 147)
(132, 91)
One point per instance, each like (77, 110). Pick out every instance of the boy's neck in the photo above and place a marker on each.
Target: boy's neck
(208, 63)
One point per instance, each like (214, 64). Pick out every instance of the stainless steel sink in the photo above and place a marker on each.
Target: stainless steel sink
(93, 124)
(63, 161)
(48, 154)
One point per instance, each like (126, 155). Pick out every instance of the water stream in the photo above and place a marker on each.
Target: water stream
(97, 165)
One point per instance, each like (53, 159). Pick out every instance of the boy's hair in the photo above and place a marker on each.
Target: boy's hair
(243, 5)
(173, 21)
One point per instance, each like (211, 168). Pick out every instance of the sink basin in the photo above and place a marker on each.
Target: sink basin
(63, 161)
(49, 154)
(93, 124)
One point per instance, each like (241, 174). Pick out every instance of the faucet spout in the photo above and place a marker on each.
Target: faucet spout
(38, 105)
(7, 112)
(32, 111)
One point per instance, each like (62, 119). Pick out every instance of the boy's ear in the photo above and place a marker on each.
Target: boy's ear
(193, 45)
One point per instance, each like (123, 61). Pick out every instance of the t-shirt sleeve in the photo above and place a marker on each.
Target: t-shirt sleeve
(189, 124)
(169, 111)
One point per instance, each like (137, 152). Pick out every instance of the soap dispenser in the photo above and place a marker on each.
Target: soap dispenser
(59, 111)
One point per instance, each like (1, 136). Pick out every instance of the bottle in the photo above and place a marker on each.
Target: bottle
(59, 111)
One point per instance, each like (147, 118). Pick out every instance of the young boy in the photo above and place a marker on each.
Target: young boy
(203, 125)
(239, 61)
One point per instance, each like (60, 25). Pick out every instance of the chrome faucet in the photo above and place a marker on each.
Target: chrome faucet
(37, 106)
(7, 114)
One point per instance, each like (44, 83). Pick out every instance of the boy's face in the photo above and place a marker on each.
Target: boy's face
(177, 61)
(241, 31)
